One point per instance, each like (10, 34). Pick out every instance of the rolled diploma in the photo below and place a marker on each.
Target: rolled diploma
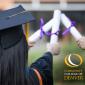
(55, 26)
(65, 20)
(36, 35)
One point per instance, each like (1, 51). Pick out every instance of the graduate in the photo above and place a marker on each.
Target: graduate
(14, 51)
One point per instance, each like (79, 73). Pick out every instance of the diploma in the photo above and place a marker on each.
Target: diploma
(36, 36)
(55, 26)
(66, 21)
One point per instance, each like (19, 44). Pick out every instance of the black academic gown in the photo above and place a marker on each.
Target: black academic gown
(44, 66)
(13, 61)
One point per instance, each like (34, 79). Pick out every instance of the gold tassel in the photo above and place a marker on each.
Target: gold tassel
(26, 29)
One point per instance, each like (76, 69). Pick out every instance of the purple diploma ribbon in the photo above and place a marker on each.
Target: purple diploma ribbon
(73, 23)
(42, 33)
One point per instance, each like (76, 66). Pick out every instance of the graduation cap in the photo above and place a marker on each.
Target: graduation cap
(14, 17)
(11, 19)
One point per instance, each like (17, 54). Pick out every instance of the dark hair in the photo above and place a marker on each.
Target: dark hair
(13, 61)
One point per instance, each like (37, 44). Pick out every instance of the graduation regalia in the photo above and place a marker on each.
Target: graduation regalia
(44, 67)
(14, 52)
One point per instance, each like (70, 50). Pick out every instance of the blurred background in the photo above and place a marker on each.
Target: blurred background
(75, 10)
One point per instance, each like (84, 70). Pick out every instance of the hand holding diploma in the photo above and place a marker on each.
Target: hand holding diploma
(31, 44)
(81, 42)
(53, 48)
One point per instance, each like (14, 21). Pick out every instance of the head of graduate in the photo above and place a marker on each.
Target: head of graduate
(13, 44)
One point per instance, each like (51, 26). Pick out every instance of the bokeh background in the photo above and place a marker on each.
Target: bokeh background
(75, 10)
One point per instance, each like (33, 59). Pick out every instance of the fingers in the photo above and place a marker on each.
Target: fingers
(53, 48)
(31, 44)
(81, 42)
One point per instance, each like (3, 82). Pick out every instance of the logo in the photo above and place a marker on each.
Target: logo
(73, 60)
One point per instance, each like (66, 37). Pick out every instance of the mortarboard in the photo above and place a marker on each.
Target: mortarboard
(14, 17)
(11, 19)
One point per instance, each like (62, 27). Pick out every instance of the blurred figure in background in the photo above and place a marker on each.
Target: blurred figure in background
(6, 4)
